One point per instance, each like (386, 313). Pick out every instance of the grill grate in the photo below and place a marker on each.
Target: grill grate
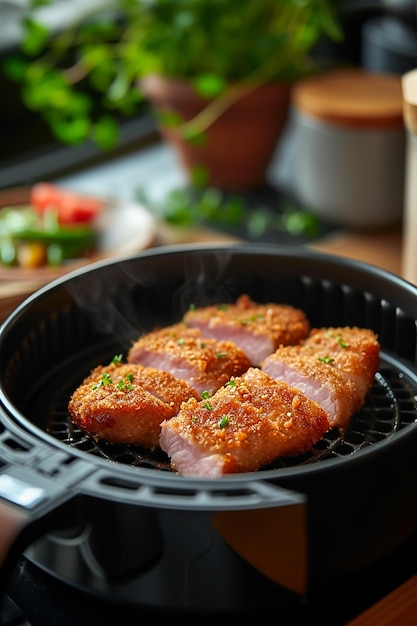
(390, 406)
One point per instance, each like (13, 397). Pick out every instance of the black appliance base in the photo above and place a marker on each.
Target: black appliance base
(44, 598)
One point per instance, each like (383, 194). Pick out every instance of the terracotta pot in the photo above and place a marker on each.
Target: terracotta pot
(239, 143)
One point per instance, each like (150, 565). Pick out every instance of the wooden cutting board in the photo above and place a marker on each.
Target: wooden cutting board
(398, 608)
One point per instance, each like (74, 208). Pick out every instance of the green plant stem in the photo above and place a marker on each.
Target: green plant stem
(214, 109)
(207, 116)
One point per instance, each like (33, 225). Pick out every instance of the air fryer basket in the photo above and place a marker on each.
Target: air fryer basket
(352, 494)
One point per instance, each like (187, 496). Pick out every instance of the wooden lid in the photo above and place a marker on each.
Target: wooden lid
(409, 88)
(352, 97)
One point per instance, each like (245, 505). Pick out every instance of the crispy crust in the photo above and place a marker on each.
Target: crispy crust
(130, 407)
(336, 364)
(244, 426)
(252, 416)
(353, 351)
(204, 363)
(257, 328)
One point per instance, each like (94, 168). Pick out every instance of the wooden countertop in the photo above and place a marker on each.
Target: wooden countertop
(382, 249)
(398, 608)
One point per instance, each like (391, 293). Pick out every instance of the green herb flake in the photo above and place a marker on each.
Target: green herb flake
(230, 383)
(222, 307)
(208, 406)
(342, 343)
(106, 379)
(221, 355)
(117, 359)
(205, 395)
(126, 382)
(181, 342)
(224, 422)
(326, 359)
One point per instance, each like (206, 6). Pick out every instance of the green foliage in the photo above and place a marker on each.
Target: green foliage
(214, 43)
(202, 205)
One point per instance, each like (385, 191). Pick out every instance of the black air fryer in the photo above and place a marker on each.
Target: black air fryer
(97, 530)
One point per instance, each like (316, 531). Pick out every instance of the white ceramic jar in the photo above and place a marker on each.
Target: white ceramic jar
(409, 250)
(349, 147)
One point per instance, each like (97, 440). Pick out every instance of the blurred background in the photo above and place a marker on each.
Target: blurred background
(378, 35)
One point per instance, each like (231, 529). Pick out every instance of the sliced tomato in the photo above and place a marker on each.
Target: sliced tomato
(71, 208)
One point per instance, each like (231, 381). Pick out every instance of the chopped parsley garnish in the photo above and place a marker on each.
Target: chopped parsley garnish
(342, 343)
(326, 359)
(106, 379)
(117, 359)
(205, 395)
(249, 320)
(124, 383)
(208, 406)
(221, 355)
(230, 383)
(224, 422)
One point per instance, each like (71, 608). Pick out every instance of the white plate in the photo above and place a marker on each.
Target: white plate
(125, 227)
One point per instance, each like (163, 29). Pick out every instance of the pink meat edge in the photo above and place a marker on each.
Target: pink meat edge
(185, 458)
(310, 388)
(256, 347)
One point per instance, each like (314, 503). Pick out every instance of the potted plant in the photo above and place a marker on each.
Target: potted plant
(221, 53)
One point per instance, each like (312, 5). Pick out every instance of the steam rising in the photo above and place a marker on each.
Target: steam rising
(127, 298)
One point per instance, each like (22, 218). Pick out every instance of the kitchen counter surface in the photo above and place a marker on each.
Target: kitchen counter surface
(382, 249)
